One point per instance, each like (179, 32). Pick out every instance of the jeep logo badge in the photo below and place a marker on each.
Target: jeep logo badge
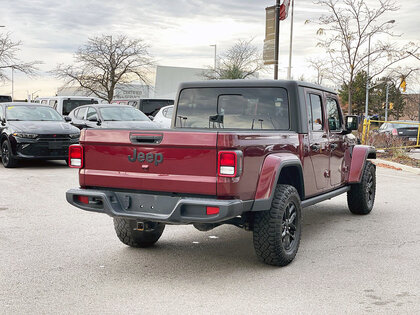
(157, 158)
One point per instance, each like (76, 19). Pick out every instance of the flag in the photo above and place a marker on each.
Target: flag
(284, 10)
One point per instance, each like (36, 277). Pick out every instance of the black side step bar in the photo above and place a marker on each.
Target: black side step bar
(326, 196)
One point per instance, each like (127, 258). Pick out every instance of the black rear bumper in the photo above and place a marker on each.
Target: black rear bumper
(157, 208)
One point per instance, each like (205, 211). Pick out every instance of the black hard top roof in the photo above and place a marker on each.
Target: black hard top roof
(254, 83)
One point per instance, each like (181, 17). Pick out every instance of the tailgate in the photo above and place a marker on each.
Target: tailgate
(166, 161)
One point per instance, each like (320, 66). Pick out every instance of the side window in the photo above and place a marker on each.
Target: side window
(316, 120)
(1, 113)
(51, 102)
(55, 105)
(91, 113)
(81, 113)
(335, 121)
(44, 102)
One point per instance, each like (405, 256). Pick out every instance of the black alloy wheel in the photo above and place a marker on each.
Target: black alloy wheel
(6, 155)
(288, 235)
(370, 190)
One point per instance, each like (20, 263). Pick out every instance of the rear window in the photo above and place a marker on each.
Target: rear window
(151, 107)
(233, 108)
(69, 105)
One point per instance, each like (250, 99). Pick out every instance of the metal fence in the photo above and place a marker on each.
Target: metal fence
(388, 141)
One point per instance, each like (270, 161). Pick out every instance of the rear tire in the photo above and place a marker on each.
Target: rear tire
(129, 235)
(277, 231)
(361, 196)
(6, 155)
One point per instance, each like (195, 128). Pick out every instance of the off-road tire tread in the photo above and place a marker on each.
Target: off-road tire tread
(356, 197)
(267, 229)
(127, 235)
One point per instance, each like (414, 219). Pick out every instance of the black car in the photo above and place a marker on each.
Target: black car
(5, 98)
(33, 131)
(404, 129)
(110, 116)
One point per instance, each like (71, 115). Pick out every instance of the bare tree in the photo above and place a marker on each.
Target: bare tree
(321, 66)
(412, 107)
(8, 58)
(243, 60)
(347, 30)
(105, 61)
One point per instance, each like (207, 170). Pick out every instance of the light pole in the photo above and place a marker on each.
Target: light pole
(368, 79)
(386, 100)
(289, 69)
(13, 68)
(276, 42)
(215, 57)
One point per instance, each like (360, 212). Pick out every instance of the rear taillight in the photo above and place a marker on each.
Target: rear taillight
(76, 156)
(394, 132)
(229, 163)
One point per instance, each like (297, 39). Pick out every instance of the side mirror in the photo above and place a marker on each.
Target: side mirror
(67, 118)
(351, 122)
(3, 121)
(151, 117)
(99, 122)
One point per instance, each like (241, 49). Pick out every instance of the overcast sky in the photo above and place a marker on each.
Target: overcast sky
(179, 32)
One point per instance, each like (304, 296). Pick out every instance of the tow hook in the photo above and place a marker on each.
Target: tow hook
(140, 226)
(145, 226)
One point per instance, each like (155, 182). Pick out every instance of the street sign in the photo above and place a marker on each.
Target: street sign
(270, 35)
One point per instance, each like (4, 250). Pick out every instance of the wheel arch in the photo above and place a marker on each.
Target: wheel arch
(359, 156)
(282, 168)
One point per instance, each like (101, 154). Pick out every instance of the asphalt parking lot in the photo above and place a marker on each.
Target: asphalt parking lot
(55, 258)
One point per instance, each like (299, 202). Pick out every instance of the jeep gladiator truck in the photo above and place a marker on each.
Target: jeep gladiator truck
(247, 153)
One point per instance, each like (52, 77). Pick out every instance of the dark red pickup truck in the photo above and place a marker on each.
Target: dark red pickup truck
(247, 153)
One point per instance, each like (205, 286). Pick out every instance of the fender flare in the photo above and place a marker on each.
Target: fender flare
(269, 176)
(359, 156)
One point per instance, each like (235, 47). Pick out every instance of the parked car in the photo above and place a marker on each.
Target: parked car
(110, 116)
(250, 153)
(404, 129)
(33, 131)
(164, 116)
(149, 106)
(5, 98)
(65, 104)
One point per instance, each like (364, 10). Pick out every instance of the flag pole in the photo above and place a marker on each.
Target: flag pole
(289, 69)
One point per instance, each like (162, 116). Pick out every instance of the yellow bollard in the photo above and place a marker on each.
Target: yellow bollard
(364, 131)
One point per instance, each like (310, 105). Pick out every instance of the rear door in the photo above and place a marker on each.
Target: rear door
(336, 140)
(170, 161)
(318, 138)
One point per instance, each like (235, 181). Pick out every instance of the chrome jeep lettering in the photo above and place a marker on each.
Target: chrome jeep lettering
(150, 157)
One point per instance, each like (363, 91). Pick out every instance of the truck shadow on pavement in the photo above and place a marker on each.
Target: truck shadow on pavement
(226, 249)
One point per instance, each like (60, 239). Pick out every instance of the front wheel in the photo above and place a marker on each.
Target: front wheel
(129, 234)
(6, 155)
(277, 231)
(361, 196)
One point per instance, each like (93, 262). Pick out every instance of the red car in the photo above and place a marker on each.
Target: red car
(242, 152)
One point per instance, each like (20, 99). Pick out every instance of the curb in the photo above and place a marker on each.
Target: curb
(403, 167)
